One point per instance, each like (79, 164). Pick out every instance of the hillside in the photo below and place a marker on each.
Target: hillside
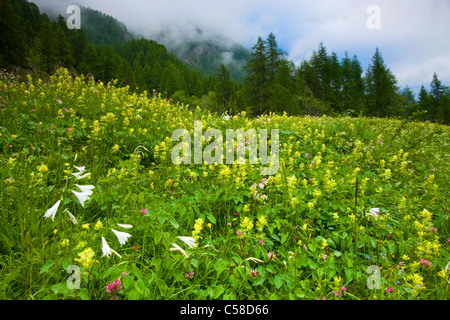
(207, 57)
(89, 184)
(102, 29)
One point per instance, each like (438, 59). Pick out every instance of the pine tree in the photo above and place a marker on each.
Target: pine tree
(409, 106)
(359, 98)
(353, 98)
(439, 102)
(381, 88)
(257, 81)
(333, 91)
(436, 92)
(321, 66)
(273, 58)
(46, 45)
(63, 48)
(224, 90)
(13, 48)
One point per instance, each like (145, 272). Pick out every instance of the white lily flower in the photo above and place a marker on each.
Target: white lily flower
(177, 247)
(82, 197)
(208, 245)
(254, 259)
(122, 236)
(86, 189)
(374, 212)
(80, 168)
(106, 249)
(79, 173)
(52, 211)
(72, 217)
(126, 226)
(80, 177)
(190, 241)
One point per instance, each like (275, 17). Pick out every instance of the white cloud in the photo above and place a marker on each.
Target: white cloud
(412, 38)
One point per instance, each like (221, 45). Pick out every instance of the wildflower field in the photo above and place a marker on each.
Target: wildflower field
(93, 206)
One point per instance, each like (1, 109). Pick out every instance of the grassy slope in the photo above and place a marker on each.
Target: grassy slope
(321, 236)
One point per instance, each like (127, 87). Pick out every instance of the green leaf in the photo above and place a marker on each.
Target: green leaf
(300, 293)
(84, 294)
(194, 262)
(60, 288)
(331, 242)
(161, 218)
(67, 263)
(337, 253)
(392, 247)
(174, 223)
(348, 274)
(259, 280)
(211, 217)
(157, 236)
(218, 290)
(140, 286)
(220, 265)
(133, 295)
(312, 264)
(161, 285)
(127, 280)
(47, 266)
(278, 281)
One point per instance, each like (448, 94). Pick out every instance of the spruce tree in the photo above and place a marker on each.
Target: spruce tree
(273, 58)
(321, 65)
(46, 45)
(257, 81)
(439, 102)
(381, 88)
(13, 48)
(224, 89)
(63, 48)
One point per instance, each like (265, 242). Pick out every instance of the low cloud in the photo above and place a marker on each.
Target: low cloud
(412, 38)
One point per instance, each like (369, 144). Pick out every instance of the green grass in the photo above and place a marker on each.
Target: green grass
(312, 234)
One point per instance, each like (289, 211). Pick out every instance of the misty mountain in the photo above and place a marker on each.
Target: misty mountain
(102, 29)
(202, 55)
(206, 56)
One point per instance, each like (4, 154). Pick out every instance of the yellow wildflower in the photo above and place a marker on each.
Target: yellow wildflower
(86, 258)
(98, 225)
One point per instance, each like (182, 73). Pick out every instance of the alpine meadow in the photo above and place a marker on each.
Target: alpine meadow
(96, 207)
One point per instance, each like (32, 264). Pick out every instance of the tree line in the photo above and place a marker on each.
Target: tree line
(324, 84)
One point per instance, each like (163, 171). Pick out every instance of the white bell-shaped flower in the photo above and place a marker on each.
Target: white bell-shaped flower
(52, 211)
(121, 236)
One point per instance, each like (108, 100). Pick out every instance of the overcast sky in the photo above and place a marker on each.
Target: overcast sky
(413, 36)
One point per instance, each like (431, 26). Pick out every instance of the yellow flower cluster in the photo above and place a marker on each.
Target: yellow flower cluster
(86, 258)
(246, 226)
(417, 283)
(197, 228)
(428, 241)
(261, 223)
